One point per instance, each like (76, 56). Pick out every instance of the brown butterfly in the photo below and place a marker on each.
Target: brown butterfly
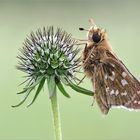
(114, 85)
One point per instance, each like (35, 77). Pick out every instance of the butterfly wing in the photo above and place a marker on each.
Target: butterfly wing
(115, 86)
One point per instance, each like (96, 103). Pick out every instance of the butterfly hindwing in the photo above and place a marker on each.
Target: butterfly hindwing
(115, 86)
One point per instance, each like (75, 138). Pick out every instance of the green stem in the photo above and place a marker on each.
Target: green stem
(56, 116)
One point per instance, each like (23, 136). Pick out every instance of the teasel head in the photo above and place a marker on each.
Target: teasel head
(51, 56)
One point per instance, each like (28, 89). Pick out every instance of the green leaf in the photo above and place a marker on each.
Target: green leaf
(23, 100)
(22, 91)
(51, 85)
(40, 86)
(35, 83)
(61, 88)
(80, 89)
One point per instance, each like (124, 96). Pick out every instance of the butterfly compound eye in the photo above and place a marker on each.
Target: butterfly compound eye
(96, 37)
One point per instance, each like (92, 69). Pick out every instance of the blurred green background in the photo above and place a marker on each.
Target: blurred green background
(80, 121)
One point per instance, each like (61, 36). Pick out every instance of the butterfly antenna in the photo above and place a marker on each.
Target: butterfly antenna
(82, 29)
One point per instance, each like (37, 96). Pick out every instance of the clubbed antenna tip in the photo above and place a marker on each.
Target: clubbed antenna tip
(81, 29)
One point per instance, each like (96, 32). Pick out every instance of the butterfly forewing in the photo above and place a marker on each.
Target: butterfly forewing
(100, 91)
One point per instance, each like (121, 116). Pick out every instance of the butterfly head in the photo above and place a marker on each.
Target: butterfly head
(94, 34)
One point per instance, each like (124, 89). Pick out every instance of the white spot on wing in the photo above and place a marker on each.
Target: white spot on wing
(124, 74)
(112, 92)
(113, 65)
(138, 102)
(113, 73)
(106, 76)
(124, 82)
(124, 93)
(117, 92)
(135, 102)
(113, 76)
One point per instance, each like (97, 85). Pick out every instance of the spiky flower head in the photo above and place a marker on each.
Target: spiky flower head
(50, 55)
(46, 53)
